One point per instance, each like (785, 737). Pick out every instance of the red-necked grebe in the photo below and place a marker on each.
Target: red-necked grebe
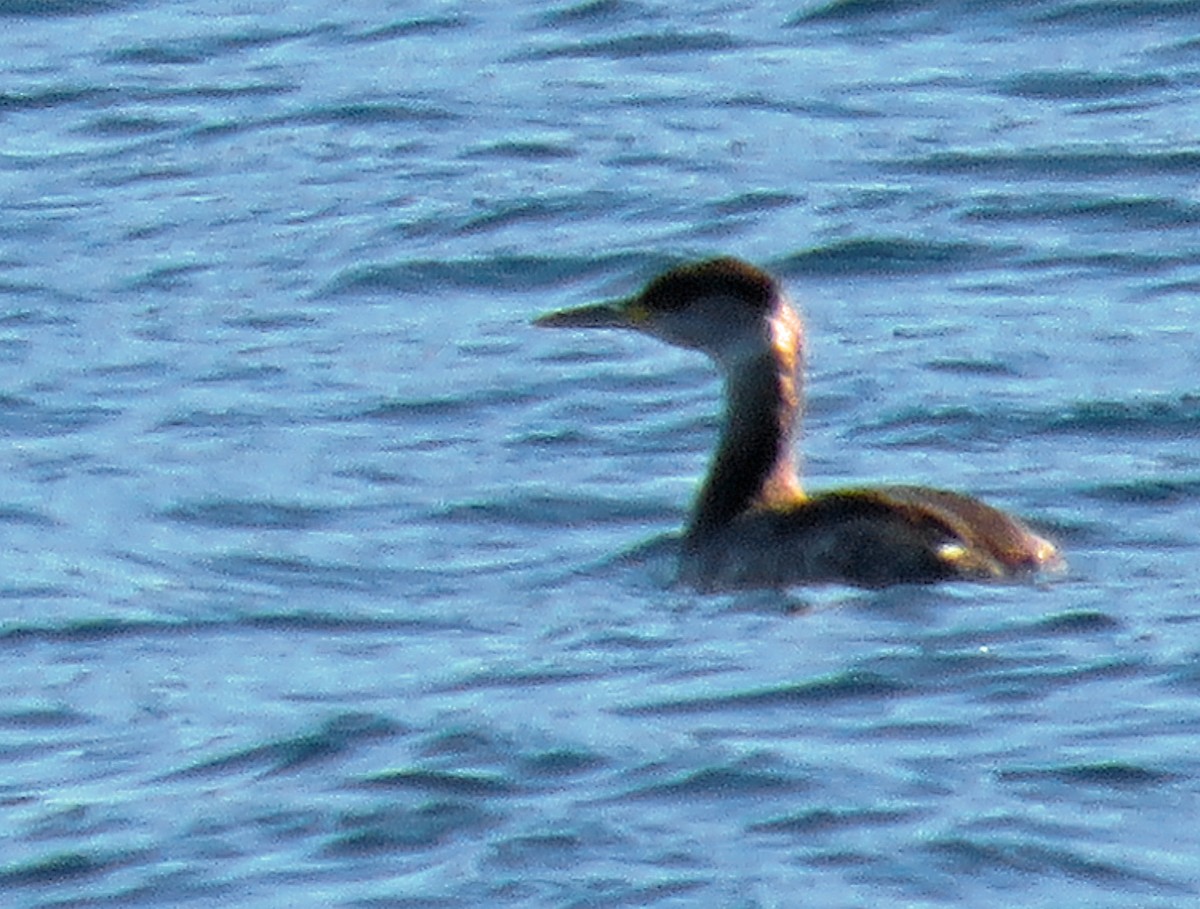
(752, 524)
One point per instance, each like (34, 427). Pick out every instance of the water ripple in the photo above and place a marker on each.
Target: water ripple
(1119, 13)
(1007, 862)
(439, 782)
(817, 821)
(1109, 774)
(59, 8)
(187, 51)
(250, 514)
(1121, 214)
(593, 12)
(501, 273)
(848, 686)
(729, 782)
(1086, 163)
(636, 46)
(25, 418)
(335, 737)
(64, 868)
(43, 718)
(406, 28)
(1081, 85)
(394, 828)
(1145, 418)
(891, 256)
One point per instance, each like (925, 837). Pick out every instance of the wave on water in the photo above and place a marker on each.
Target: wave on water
(22, 417)
(1119, 13)
(861, 256)
(1148, 490)
(590, 13)
(733, 781)
(1082, 85)
(637, 46)
(1149, 418)
(1003, 860)
(60, 8)
(1128, 213)
(1074, 163)
(387, 830)
(848, 686)
(1092, 14)
(333, 738)
(879, 256)
(252, 514)
(1107, 774)
(545, 509)
(503, 273)
(322, 624)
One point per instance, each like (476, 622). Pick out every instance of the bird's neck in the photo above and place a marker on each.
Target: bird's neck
(754, 464)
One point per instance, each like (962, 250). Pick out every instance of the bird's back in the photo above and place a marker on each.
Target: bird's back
(870, 538)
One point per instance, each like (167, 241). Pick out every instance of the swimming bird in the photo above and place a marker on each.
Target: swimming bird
(752, 524)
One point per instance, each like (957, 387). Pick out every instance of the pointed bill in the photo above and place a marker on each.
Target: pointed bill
(614, 314)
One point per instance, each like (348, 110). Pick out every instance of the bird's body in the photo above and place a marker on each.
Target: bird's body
(752, 524)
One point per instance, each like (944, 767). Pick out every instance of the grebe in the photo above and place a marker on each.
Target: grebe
(752, 524)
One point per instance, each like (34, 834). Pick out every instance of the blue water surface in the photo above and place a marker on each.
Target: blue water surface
(329, 581)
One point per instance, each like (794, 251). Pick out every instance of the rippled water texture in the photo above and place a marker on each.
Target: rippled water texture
(329, 581)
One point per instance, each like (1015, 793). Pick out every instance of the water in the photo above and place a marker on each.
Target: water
(325, 578)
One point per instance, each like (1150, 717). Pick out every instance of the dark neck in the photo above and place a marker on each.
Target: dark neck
(753, 464)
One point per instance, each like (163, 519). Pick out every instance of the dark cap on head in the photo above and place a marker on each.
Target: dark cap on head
(725, 276)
